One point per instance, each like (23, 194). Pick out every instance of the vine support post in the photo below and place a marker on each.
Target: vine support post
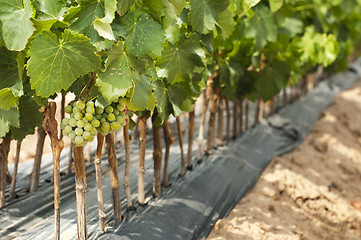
(57, 145)
(235, 118)
(4, 153)
(168, 138)
(80, 190)
(127, 162)
(190, 139)
(98, 176)
(157, 157)
(212, 119)
(241, 115)
(180, 138)
(228, 121)
(15, 172)
(114, 178)
(219, 140)
(141, 160)
(259, 111)
(35, 175)
(247, 113)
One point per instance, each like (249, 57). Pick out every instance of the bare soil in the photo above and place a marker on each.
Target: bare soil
(313, 192)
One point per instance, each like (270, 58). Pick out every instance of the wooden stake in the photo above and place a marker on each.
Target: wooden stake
(157, 157)
(212, 119)
(235, 118)
(180, 139)
(113, 164)
(98, 176)
(168, 138)
(4, 153)
(35, 175)
(51, 127)
(241, 115)
(190, 139)
(127, 163)
(13, 179)
(219, 140)
(80, 190)
(141, 161)
(228, 121)
(247, 113)
(259, 111)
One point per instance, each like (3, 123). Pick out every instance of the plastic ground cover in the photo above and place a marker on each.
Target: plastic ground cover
(191, 206)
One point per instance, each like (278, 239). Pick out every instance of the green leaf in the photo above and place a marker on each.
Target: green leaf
(16, 25)
(9, 73)
(7, 99)
(226, 23)
(143, 97)
(155, 7)
(179, 62)
(103, 25)
(163, 106)
(292, 26)
(263, 27)
(172, 34)
(124, 5)
(204, 14)
(173, 9)
(88, 13)
(242, 6)
(46, 9)
(8, 118)
(27, 107)
(275, 4)
(121, 73)
(56, 63)
(143, 37)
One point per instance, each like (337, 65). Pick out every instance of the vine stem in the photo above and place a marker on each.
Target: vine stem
(168, 138)
(190, 138)
(35, 175)
(13, 179)
(141, 160)
(127, 162)
(219, 141)
(4, 153)
(235, 118)
(241, 115)
(157, 157)
(212, 119)
(180, 138)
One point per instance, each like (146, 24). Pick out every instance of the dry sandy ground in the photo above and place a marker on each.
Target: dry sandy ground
(313, 192)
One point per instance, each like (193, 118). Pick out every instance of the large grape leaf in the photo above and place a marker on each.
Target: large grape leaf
(9, 74)
(155, 7)
(204, 14)
(16, 26)
(46, 9)
(143, 95)
(103, 25)
(88, 13)
(226, 23)
(120, 74)
(262, 27)
(55, 64)
(242, 6)
(179, 62)
(163, 105)
(30, 117)
(275, 4)
(7, 99)
(173, 9)
(124, 5)
(142, 37)
(8, 118)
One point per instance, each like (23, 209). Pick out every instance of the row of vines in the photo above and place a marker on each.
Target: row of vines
(154, 59)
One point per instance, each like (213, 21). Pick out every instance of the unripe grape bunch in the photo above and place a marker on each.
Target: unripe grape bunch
(111, 118)
(81, 126)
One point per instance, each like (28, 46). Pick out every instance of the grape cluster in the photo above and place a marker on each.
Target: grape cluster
(112, 117)
(81, 126)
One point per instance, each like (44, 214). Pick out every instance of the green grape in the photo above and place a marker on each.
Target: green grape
(109, 109)
(90, 109)
(122, 101)
(76, 109)
(103, 120)
(115, 126)
(105, 126)
(104, 133)
(68, 109)
(67, 129)
(79, 140)
(78, 131)
(95, 122)
(78, 115)
(86, 135)
(65, 121)
(87, 127)
(120, 108)
(99, 110)
(80, 123)
(105, 115)
(72, 135)
(122, 114)
(72, 115)
(72, 122)
(91, 138)
(119, 119)
(80, 104)
(90, 104)
(98, 116)
(111, 117)
(116, 112)
(93, 131)
(88, 116)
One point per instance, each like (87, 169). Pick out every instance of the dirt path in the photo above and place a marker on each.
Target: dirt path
(313, 192)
